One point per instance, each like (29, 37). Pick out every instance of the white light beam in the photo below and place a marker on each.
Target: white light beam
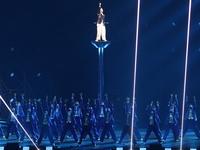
(185, 73)
(135, 71)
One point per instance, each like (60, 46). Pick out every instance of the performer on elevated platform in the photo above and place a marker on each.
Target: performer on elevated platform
(101, 29)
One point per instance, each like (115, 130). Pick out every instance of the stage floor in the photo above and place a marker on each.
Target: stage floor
(189, 141)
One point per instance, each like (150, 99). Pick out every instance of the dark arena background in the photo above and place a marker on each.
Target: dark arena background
(45, 49)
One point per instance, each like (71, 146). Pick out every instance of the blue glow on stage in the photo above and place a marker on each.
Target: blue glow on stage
(49, 148)
(25, 148)
(119, 148)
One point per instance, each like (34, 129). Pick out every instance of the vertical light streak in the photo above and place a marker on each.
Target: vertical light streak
(185, 73)
(19, 122)
(134, 73)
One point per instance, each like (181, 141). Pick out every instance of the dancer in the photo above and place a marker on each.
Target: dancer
(28, 125)
(127, 128)
(127, 107)
(12, 125)
(86, 128)
(153, 125)
(191, 118)
(58, 116)
(108, 126)
(2, 133)
(45, 129)
(19, 112)
(174, 105)
(101, 110)
(35, 121)
(69, 124)
(52, 121)
(171, 123)
(77, 107)
(1, 130)
(93, 122)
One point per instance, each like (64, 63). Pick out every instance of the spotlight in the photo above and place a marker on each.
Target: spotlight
(185, 72)
(174, 24)
(39, 74)
(12, 49)
(12, 74)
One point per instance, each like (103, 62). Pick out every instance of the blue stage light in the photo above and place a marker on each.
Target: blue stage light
(39, 74)
(174, 24)
(12, 74)
(12, 49)
(26, 148)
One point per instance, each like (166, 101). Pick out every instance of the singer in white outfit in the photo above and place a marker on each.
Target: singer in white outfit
(101, 29)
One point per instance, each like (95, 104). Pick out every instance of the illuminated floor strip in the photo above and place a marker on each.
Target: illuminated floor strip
(185, 74)
(167, 148)
(49, 148)
(25, 148)
(19, 122)
(1, 148)
(135, 70)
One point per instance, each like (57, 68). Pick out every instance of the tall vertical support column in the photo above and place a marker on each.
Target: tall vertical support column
(101, 45)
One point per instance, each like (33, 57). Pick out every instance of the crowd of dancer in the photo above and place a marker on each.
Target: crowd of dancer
(54, 118)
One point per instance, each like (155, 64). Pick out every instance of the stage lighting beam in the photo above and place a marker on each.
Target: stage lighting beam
(135, 71)
(185, 72)
(19, 122)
